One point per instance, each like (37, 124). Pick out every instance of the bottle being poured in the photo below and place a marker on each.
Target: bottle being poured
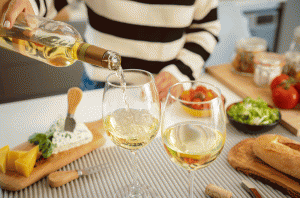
(55, 43)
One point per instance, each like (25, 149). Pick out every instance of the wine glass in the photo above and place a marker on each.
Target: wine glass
(131, 117)
(193, 126)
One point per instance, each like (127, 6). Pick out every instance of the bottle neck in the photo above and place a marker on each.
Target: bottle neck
(98, 56)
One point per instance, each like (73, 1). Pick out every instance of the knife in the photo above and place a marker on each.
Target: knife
(60, 178)
(74, 98)
(250, 188)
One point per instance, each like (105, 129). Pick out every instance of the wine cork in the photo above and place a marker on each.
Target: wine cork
(217, 192)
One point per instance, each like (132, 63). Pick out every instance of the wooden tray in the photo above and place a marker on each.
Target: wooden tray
(242, 158)
(244, 86)
(13, 181)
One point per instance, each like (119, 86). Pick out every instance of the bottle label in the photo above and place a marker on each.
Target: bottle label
(52, 39)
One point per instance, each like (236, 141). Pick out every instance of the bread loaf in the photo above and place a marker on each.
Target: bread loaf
(279, 152)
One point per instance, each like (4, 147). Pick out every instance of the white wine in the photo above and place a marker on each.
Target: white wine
(193, 145)
(120, 75)
(131, 128)
(55, 43)
(59, 56)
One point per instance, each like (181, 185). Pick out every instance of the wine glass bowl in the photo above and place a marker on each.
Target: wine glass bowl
(193, 141)
(131, 117)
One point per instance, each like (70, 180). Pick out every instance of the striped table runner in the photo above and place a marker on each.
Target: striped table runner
(155, 170)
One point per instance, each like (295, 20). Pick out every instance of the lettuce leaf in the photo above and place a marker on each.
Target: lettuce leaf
(254, 112)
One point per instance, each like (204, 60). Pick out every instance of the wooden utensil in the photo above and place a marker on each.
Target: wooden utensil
(60, 178)
(74, 98)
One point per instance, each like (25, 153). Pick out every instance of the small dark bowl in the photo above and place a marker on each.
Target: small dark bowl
(251, 129)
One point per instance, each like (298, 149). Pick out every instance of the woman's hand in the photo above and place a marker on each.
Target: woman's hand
(164, 80)
(11, 9)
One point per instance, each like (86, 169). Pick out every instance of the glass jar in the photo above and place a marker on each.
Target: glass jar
(246, 49)
(268, 65)
(292, 66)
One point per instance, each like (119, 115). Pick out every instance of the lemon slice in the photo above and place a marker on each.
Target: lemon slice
(196, 112)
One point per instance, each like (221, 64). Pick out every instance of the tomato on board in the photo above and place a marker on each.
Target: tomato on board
(285, 97)
(278, 80)
(297, 86)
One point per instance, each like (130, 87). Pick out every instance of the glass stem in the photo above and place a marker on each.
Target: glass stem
(191, 183)
(134, 191)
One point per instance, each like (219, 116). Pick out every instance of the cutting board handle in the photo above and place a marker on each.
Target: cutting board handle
(74, 98)
(60, 178)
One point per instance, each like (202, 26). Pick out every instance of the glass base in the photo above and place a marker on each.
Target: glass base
(141, 191)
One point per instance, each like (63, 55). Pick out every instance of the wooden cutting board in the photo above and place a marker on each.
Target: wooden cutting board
(242, 158)
(244, 86)
(13, 181)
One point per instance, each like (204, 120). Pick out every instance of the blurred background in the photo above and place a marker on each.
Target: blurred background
(23, 78)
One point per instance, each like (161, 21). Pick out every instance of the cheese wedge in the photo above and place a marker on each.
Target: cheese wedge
(25, 164)
(64, 140)
(12, 156)
(3, 158)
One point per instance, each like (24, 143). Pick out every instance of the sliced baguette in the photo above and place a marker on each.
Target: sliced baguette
(279, 152)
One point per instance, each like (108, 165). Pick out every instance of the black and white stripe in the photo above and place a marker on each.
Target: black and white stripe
(153, 34)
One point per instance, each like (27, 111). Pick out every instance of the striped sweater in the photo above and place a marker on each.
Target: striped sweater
(177, 36)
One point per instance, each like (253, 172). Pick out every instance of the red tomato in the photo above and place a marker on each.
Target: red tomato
(197, 106)
(199, 94)
(192, 93)
(285, 97)
(297, 86)
(201, 89)
(278, 80)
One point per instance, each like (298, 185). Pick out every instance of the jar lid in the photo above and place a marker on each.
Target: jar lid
(269, 59)
(252, 44)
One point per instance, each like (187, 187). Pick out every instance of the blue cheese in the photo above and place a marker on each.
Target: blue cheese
(65, 140)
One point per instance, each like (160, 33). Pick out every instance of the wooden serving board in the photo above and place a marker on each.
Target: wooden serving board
(14, 181)
(242, 158)
(244, 86)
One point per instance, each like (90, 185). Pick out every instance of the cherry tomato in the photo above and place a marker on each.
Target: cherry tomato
(201, 89)
(278, 80)
(197, 106)
(199, 94)
(285, 97)
(192, 93)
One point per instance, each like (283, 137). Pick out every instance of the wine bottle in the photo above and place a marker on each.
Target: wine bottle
(55, 43)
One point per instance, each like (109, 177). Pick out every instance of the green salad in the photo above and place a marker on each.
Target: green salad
(254, 112)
